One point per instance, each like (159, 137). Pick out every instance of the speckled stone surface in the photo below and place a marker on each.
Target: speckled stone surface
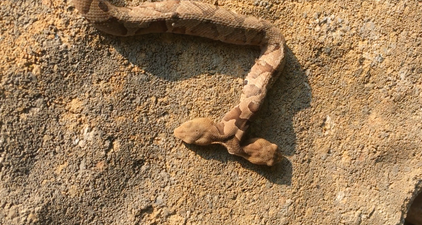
(86, 119)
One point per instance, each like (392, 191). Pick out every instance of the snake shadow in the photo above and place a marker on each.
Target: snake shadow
(161, 55)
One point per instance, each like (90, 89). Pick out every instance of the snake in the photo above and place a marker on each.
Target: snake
(216, 23)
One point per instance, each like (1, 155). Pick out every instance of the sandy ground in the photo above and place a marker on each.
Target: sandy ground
(86, 119)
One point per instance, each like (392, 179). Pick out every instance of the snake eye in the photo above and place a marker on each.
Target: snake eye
(103, 6)
(245, 81)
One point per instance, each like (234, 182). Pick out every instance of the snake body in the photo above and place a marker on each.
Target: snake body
(209, 21)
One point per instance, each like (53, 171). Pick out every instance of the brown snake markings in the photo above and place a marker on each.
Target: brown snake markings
(200, 19)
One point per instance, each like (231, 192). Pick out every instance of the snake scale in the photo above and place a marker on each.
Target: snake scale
(213, 22)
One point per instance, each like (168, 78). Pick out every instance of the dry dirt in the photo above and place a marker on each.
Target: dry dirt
(86, 119)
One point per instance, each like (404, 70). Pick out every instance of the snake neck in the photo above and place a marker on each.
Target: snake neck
(234, 124)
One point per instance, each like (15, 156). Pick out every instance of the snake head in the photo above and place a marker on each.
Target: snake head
(262, 152)
(199, 131)
(203, 131)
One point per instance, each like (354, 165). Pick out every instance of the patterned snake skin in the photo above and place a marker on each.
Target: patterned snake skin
(209, 21)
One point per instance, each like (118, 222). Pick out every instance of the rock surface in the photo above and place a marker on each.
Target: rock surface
(86, 119)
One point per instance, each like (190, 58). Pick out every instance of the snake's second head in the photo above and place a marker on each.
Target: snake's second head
(199, 131)
(262, 152)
